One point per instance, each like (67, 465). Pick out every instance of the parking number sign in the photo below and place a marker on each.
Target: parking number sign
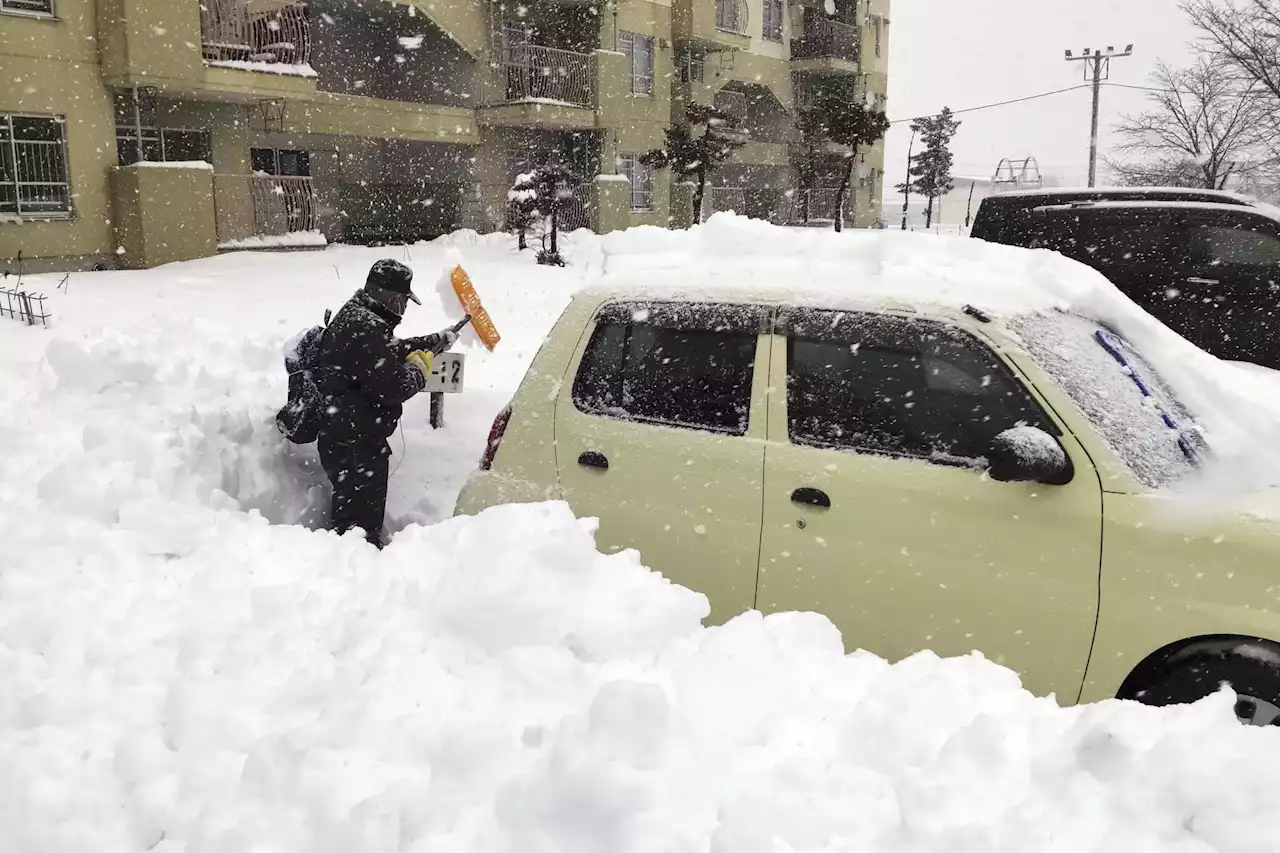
(448, 371)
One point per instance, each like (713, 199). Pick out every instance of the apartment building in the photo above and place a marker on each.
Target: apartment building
(138, 132)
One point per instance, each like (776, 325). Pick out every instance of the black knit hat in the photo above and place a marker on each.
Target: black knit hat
(391, 276)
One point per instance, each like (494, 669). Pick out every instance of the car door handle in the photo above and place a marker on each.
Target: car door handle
(811, 497)
(592, 459)
(1196, 280)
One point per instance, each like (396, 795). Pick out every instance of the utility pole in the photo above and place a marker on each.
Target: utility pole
(1098, 64)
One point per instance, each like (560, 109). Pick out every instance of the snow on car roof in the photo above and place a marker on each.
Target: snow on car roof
(1261, 208)
(737, 258)
(1186, 191)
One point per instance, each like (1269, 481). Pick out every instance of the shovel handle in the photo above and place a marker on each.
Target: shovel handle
(458, 326)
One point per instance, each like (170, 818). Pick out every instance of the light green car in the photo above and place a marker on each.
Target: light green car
(926, 478)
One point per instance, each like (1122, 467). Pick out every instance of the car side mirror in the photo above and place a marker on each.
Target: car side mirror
(1027, 454)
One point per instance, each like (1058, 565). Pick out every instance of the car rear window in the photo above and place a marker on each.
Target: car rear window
(684, 365)
(1120, 393)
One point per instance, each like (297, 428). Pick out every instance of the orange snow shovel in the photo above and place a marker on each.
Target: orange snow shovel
(470, 301)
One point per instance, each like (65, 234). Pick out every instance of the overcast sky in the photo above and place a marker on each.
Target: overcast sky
(965, 53)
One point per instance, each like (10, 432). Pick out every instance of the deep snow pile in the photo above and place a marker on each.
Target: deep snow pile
(495, 684)
(182, 675)
(166, 381)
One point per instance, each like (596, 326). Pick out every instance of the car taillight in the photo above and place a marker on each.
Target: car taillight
(495, 437)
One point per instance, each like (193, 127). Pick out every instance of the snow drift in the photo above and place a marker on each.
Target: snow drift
(182, 674)
(495, 684)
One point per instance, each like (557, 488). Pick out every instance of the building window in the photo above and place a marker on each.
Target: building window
(33, 166)
(29, 7)
(640, 176)
(280, 162)
(639, 51)
(692, 67)
(773, 11)
(164, 145)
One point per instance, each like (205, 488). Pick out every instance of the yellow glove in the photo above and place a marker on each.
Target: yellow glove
(420, 360)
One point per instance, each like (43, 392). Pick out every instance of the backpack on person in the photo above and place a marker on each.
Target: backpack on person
(300, 417)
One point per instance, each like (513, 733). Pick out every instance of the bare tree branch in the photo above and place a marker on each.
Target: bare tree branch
(1201, 130)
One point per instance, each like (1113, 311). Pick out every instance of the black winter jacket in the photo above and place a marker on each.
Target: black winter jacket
(362, 377)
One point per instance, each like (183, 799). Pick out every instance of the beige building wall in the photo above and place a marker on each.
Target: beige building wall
(76, 65)
(636, 124)
(50, 68)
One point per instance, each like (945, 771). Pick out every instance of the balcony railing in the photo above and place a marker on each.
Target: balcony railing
(731, 16)
(722, 199)
(262, 31)
(548, 75)
(264, 206)
(824, 38)
(575, 212)
(818, 206)
(733, 104)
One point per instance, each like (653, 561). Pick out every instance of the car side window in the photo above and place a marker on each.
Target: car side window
(1115, 238)
(1236, 242)
(899, 386)
(686, 365)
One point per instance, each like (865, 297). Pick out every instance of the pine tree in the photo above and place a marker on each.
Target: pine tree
(839, 114)
(553, 186)
(522, 207)
(930, 170)
(690, 154)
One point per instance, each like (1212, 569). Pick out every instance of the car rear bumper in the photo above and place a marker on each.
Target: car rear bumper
(488, 488)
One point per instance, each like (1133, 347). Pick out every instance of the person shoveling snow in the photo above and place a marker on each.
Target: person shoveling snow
(362, 374)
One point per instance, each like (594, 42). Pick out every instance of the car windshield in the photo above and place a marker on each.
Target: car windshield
(1120, 393)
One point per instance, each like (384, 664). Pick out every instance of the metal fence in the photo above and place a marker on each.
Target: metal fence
(548, 74)
(243, 31)
(731, 16)
(23, 306)
(823, 37)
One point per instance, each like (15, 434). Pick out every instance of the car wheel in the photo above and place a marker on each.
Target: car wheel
(1256, 683)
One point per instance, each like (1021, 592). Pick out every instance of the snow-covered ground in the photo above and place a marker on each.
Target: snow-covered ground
(187, 668)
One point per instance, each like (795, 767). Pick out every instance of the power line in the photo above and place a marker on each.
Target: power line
(999, 104)
(1057, 91)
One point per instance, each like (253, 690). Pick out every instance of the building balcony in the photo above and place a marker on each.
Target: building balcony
(248, 32)
(825, 45)
(537, 86)
(222, 50)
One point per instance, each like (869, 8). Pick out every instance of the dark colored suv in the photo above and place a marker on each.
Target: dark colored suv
(1205, 263)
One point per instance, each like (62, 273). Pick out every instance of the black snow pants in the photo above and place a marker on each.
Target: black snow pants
(359, 474)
